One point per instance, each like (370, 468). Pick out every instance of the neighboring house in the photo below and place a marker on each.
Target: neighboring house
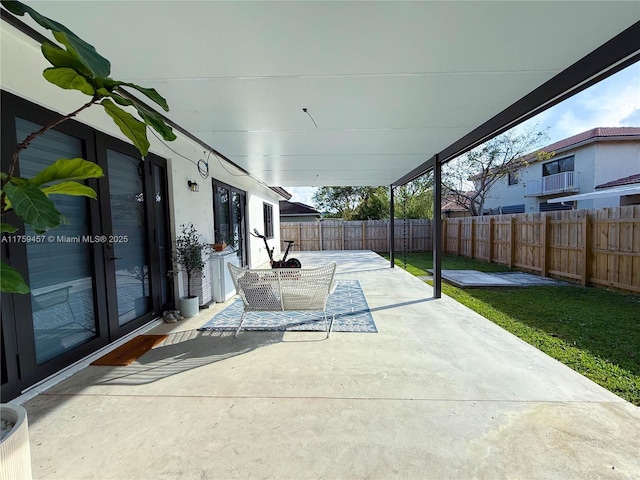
(298, 212)
(452, 209)
(84, 294)
(581, 165)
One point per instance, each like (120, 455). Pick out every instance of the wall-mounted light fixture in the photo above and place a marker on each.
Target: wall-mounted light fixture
(193, 186)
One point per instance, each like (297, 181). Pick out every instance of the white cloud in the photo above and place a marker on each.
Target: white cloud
(633, 120)
(302, 194)
(613, 102)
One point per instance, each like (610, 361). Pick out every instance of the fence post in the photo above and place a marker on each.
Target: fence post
(445, 226)
(490, 239)
(512, 242)
(472, 248)
(342, 233)
(320, 234)
(545, 245)
(459, 237)
(586, 253)
(300, 235)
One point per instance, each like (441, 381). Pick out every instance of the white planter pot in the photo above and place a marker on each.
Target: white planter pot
(14, 448)
(189, 307)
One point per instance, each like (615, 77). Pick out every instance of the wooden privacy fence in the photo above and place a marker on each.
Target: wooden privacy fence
(599, 247)
(411, 235)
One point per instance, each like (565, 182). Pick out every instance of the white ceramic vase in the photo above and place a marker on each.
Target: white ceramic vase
(14, 448)
(189, 306)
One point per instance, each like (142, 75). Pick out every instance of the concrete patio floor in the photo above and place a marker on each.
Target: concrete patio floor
(439, 393)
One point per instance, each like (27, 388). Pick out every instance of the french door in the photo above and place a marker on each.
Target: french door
(99, 276)
(229, 205)
(136, 249)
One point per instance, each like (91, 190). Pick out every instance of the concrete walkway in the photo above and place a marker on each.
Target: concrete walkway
(439, 393)
(474, 278)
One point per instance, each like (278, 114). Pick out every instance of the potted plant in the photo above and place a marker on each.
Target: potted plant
(14, 443)
(224, 240)
(191, 255)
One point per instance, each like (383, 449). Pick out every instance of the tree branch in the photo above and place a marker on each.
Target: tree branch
(25, 143)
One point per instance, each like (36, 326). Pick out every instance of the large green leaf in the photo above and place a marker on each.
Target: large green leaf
(150, 117)
(70, 188)
(6, 228)
(156, 121)
(110, 83)
(68, 78)
(61, 58)
(11, 281)
(134, 129)
(66, 169)
(120, 100)
(150, 93)
(33, 206)
(96, 63)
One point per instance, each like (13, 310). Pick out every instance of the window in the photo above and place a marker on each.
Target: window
(267, 212)
(513, 178)
(558, 166)
(512, 209)
(554, 207)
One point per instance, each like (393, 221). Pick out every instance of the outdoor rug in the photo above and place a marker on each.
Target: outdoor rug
(130, 351)
(347, 302)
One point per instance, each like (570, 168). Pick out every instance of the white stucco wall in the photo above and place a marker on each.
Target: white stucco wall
(257, 251)
(614, 161)
(503, 194)
(21, 74)
(585, 164)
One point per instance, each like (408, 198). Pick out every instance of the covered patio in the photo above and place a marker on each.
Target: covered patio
(438, 392)
(269, 95)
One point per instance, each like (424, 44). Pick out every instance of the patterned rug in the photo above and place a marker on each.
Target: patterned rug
(347, 302)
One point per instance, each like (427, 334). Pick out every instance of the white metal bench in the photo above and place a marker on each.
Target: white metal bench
(284, 289)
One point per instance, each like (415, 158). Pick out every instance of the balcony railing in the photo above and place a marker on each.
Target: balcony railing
(559, 183)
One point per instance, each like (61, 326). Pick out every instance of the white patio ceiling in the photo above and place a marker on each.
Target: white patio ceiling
(389, 84)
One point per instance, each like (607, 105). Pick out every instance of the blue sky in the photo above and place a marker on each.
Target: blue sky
(613, 102)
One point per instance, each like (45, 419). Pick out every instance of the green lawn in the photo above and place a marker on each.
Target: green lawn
(418, 263)
(592, 330)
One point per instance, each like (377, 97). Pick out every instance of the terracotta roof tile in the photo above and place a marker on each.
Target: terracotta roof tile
(589, 135)
(449, 203)
(631, 179)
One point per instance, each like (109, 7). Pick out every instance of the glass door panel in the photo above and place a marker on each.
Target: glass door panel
(160, 209)
(237, 223)
(221, 212)
(229, 212)
(60, 265)
(129, 247)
